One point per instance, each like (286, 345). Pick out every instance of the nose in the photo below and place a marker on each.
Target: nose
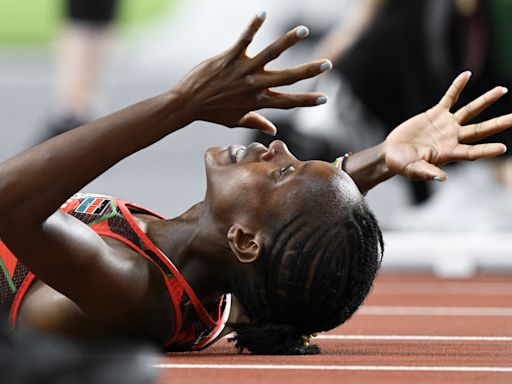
(277, 147)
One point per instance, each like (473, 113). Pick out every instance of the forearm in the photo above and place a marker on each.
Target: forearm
(36, 182)
(368, 168)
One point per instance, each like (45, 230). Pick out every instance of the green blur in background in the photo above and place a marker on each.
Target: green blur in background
(37, 21)
(501, 36)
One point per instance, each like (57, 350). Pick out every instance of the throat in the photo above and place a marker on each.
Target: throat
(196, 253)
(205, 281)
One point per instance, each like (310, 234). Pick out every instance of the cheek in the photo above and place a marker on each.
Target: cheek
(238, 192)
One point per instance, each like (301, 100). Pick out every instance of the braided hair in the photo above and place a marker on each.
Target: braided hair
(311, 277)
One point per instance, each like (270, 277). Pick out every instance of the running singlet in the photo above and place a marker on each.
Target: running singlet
(195, 328)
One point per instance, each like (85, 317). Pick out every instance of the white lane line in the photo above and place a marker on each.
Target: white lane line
(375, 310)
(413, 338)
(443, 288)
(334, 367)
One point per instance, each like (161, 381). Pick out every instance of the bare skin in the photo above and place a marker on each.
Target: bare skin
(89, 285)
(94, 286)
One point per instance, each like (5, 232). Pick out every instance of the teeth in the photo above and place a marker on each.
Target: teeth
(236, 152)
(239, 153)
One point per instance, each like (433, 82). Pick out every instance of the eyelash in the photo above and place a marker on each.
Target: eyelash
(283, 170)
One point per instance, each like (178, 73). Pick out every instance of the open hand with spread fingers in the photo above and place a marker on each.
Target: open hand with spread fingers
(227, 88)
(417, 147)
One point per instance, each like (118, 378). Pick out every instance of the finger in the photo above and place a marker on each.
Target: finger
(247, 36)
(452, 94)
(292, 75)
(256, 121)
(474, 108)
(274, 50)
(473, 132)
(423, 170)
(480, 151)
(272, 99)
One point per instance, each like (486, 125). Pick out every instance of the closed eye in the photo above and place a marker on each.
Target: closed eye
(285, 170)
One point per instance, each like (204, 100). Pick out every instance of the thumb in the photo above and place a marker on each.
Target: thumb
(256, 121)
(423, 170)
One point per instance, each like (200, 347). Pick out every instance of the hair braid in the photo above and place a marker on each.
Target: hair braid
(312, 277)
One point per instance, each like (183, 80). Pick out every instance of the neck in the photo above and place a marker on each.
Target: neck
(197, 247)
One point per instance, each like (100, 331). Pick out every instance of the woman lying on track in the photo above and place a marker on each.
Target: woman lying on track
(294, 242)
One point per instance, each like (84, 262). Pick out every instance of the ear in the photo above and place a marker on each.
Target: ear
(247, 245)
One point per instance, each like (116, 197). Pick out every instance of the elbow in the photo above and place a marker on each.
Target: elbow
(10, 199)
(15, 216)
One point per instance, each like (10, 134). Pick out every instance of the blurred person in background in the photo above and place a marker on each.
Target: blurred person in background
(83, 46)
(391, 60)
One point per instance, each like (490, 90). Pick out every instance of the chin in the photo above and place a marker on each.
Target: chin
(215, 156)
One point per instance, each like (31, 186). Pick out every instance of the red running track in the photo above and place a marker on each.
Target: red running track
(412, 329)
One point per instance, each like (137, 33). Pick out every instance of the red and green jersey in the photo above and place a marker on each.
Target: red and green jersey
(195, 327)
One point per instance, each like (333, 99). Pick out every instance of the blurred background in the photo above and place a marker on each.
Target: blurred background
(63, 63)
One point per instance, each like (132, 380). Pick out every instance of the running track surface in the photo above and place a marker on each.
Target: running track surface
(411, 329)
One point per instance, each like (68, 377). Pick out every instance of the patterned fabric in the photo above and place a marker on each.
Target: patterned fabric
(12, 275)
(195, 329)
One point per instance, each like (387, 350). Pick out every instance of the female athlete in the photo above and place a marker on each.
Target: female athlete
(278, 250)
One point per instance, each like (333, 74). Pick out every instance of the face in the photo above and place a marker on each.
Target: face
(256, 185)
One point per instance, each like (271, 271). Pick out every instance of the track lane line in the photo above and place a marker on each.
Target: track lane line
(376, 310)
(334, 367)
(413, 338)
(443, 288)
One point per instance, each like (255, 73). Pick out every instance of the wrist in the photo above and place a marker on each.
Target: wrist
(368, 168)
(178, 108)
(382, 168)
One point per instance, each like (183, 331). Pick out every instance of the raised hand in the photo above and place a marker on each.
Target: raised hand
(227, 88)
(415, 148)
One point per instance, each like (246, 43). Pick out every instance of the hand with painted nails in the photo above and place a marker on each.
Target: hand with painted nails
(229, 87)
(417, 147)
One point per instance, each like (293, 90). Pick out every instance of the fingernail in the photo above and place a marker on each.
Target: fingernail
(504, 90)
(302, 32)
(262, 15)
(271, 133)
(437, 178)
(326, 65)
(321, 100)
(469, 73)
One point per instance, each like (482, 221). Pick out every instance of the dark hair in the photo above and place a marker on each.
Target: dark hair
(312, 277)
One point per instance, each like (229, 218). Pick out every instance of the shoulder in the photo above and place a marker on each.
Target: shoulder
(146, 302)
(141, 309)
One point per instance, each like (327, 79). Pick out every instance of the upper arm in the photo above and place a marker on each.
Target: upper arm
(70, 257)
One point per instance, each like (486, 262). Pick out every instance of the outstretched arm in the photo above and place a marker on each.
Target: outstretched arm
(225, 89)
(417, 147)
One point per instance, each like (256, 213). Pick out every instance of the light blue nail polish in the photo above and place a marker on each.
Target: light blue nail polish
(326, 65)
(321, 100)
(302, 32)
(262, 15)
(437, 178)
